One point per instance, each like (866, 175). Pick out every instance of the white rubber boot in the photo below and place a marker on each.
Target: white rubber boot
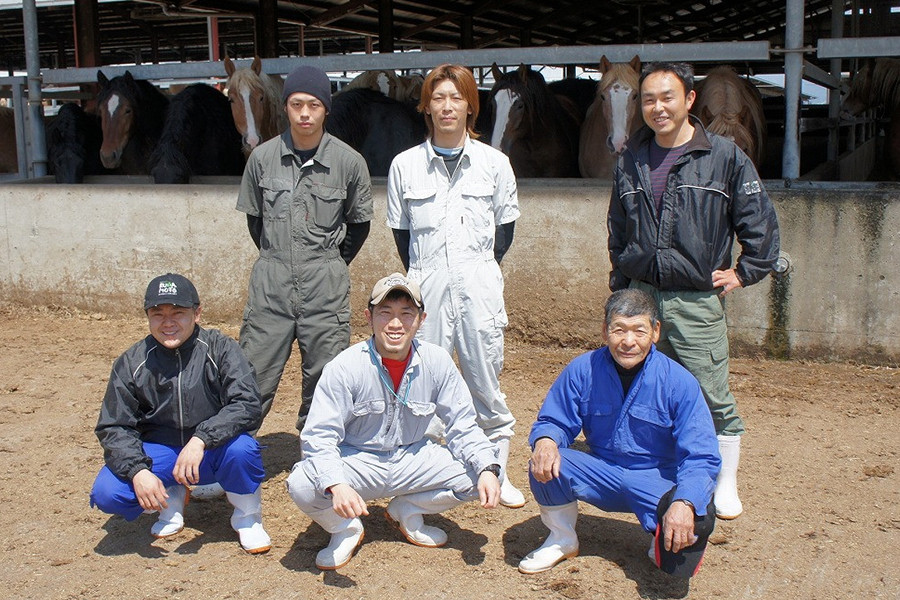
(562, 543)
(728, 505)
(405, 513)
(510, 496)
(247, 521)
(171, 518)
(346, 537)
(209, 491)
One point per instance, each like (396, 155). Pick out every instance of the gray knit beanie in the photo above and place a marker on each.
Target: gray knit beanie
(309, 80)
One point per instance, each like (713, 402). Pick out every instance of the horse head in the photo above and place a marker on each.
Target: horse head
(116, 103)
(255, 100)
(519, 102)
(617, 94)
(859, 97)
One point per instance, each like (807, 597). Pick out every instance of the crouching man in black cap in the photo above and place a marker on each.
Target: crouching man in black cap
(652, 447)
(176, 413)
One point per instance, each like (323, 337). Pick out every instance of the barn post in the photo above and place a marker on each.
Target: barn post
(35, 112)
(793, 79)
(87, 37)
(267, 29)
(834, 96)
(385, 26)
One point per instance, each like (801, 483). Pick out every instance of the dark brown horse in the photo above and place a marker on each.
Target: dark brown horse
(132, 113)
(532, 126)
(198, 138)
(73, 144)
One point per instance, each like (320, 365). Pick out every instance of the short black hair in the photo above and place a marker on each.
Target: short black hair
(683, 71)
(631, 302)
(396, 294)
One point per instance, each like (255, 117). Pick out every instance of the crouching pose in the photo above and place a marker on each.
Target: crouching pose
(365, 438)
(176, 413)
(652, 448)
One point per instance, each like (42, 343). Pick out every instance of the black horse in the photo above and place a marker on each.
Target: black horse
(198, 138)
(376, 126)
(73, 144)
(132, 113)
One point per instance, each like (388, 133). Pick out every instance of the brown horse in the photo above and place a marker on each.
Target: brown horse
(877, 85)
(532, 126)
(731, 106)
(256, 105)
(614, 115)
(132, 113)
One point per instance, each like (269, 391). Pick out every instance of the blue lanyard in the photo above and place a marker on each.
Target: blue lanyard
(388, 384)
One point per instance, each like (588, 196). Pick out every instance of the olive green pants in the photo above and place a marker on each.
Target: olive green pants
(695, 334)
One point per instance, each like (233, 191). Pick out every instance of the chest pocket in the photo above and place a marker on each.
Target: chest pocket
(421, 409)
(477, 207)
(276, 195)
(327, 205)
(650, 427)
(421, 204)
(368, 407)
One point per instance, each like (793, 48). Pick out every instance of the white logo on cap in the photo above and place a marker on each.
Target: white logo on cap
(168, 288)
(395, 281)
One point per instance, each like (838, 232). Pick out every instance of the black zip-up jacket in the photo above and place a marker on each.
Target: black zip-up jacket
(203, 388)
(712, 193)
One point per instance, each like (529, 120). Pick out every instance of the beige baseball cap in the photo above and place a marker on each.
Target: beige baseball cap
(395, 281)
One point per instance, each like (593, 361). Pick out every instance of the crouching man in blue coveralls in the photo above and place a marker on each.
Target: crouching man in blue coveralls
(176, 413)
(365, 437)
(652, 445)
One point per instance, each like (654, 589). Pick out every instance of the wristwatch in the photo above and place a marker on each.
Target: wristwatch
(495, 469)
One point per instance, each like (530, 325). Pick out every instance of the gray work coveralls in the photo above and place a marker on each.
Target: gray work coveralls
(300, 285)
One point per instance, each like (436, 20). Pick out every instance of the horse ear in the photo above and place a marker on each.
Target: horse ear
(604, 64)
(256, 65)
(496, 72)
(229, 66)
(101, 78)
(636, 63)
(129, 77)
(523, 72)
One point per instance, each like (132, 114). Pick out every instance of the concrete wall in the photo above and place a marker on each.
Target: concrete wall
(95, 246)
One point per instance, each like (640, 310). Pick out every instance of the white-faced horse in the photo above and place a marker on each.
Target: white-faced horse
(256, 105)
(614, 115)
(532, 126)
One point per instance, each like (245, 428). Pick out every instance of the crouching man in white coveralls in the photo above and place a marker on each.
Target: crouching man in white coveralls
(365, 438)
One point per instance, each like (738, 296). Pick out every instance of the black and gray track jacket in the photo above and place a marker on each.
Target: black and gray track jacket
(203, 388)
(713, 193)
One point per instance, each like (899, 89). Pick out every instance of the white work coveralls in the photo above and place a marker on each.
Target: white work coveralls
(452, 222)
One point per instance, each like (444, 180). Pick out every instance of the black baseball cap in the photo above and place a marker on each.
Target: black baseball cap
(686, 563)
(171, 288)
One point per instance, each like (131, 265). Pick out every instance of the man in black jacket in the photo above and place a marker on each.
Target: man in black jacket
(680, 195)
(176, 413)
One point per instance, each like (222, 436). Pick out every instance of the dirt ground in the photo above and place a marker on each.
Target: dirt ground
(819, 482)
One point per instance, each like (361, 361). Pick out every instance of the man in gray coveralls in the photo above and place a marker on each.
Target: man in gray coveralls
(308, 201)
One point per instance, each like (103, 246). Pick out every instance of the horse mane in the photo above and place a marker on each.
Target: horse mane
(885, 83)
(540, 103)
(731, 101)
(248, 78)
